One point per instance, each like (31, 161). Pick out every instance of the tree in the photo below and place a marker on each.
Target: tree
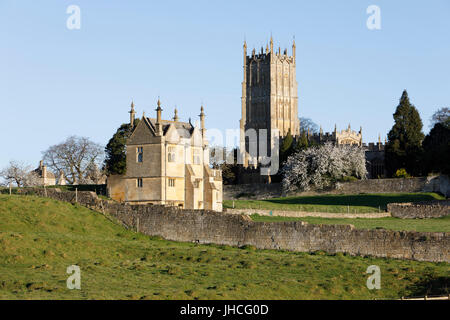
(404, 147)
(74, 157)
(302, 142)
(19, 174)
(436, 146)
(286, 147)
(115, 150)
(440, 116)
(307, 123)
(230, 171)
(322, 166)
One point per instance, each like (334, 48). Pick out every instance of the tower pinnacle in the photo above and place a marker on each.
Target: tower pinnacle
(202, 120)
(132, 114)
(293, 48)
(175, 117)
(158, 118)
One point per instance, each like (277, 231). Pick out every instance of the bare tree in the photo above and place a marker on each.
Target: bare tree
(440, 116)
(19, 174)
(307, 123)
(74, 157)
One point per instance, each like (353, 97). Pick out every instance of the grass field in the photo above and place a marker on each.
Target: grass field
(360, 203)
(423, 225)
(40, 238)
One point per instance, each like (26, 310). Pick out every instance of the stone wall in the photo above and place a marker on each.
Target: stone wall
(300, 214)
(237, 230)
(420, 210)
(439, 184)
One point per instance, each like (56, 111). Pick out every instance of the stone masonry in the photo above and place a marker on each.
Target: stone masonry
(203, 226)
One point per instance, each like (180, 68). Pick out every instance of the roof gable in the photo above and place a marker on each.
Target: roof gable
(143, 133)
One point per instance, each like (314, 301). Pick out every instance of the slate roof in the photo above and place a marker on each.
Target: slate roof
(185, 129)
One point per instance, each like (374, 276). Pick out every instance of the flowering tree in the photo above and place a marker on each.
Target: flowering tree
(322, 166)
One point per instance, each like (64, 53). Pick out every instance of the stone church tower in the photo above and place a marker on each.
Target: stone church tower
(269, 93)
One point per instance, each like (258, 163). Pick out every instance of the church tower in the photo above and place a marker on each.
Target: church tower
(269, 93)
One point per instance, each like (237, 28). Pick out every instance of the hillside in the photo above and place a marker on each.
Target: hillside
(40, 238)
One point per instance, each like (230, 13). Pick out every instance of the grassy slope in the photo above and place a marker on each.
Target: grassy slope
(360, 203)
(424, 225)
(40, 238)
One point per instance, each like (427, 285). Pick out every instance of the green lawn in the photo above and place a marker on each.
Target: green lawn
(360, 203)
(40, 238)
(422, 225)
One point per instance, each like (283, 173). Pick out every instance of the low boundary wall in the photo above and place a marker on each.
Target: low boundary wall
(420, 210)
(439, 184)
(203, 226)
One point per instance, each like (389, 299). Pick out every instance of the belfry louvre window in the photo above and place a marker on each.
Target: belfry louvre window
(171, 154)
(171, 182)
(140, 154)
(139, 183)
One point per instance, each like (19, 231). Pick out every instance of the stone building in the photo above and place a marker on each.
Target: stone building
(375, 162)
(167, 163)
(346, 136)
(44, 176)
(269, 95)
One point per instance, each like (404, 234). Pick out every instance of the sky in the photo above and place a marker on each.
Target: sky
(56, 82)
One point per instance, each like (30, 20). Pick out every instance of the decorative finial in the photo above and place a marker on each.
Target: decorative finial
(132, 113)
(159, 103)
(175, 117)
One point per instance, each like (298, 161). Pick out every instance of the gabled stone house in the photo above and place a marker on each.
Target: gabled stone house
(45, 177)
(167, 162)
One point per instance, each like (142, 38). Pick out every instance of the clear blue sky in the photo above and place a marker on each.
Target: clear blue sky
(56, 82)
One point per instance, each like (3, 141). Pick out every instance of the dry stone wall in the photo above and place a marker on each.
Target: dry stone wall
(420, 210)
(203, 226)
(439, 184)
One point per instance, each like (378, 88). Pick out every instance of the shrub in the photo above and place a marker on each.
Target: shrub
(401, 173)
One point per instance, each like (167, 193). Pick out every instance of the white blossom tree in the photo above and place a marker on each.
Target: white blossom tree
(323, 166)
